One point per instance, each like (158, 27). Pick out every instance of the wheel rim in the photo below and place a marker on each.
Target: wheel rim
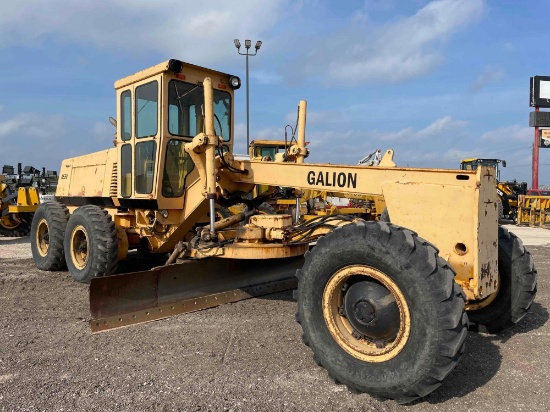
(42, 237)
(366, 313)
(79, 247)
(8, 223)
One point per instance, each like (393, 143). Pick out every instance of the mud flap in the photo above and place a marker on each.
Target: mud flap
(131, 298)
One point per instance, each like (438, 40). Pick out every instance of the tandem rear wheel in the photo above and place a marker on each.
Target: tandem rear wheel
(381, 311)
(90, 244)
(47, 233)
(517, 289)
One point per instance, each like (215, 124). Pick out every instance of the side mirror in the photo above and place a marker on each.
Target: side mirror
(504, 163)
(112, 121)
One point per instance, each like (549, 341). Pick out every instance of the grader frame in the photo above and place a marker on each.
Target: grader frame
(381, 289)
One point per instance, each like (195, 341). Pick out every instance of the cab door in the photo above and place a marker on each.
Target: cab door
(139, 131)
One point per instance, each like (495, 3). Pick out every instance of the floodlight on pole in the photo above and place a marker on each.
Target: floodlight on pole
(247, 45)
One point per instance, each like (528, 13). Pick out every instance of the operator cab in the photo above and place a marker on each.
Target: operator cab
(474, 163)
(159, 110)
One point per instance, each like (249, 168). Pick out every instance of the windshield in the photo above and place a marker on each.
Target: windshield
(185, 110)
(473, 165)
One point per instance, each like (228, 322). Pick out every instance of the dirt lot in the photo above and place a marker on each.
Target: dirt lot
(243, 356)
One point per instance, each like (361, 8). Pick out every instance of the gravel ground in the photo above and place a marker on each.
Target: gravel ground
(244, 356)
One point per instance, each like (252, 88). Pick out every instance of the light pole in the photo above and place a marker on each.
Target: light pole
(247, 45)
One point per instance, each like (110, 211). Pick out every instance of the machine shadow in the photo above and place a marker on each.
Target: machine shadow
(536, 317)
(284, 296)
(482, 359)
(136, 262)
(14, 241)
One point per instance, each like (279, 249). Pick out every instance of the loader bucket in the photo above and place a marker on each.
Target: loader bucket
(137, 297)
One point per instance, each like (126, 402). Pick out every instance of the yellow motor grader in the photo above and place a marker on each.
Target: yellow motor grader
(384, 306)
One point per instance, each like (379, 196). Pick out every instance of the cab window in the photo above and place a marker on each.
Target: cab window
(186, 110)
(145, 166)
(177, 166)
(126, 115)
(147, 110)
(126, 170)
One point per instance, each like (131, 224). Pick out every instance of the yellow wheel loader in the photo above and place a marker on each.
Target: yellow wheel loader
(508, 191)
(384, 306)
(13, 221)
(20, 195)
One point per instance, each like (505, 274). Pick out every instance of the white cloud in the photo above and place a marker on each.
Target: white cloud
(489, 75)
(318, 118)
(509, 133)
(270, 133)
(239, 139)
(435, 129)
(202, 33)
(447, 158)
(31, 125)
(265, 77)
(510, 47)
(399, 50)
(103, 131)
(33, 139)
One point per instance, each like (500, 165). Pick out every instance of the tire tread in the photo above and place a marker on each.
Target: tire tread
(452, 323)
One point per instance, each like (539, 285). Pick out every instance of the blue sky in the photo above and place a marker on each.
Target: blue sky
(434, 80)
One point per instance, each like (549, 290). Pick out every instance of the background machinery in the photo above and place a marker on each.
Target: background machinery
(381, 305)
(508, 192)
(21, 192)
(314, 203)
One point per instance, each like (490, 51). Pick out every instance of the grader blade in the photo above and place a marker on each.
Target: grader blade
(131, 298)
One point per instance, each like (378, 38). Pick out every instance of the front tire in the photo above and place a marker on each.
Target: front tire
(517, 290)
(381, 311)
(91, 244)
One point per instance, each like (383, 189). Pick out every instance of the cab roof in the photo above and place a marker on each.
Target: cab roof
(473, 159)
(163, 67)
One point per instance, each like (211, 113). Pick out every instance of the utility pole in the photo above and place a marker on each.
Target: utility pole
(247, 45)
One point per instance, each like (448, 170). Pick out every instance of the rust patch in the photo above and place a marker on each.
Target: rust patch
(485, 270)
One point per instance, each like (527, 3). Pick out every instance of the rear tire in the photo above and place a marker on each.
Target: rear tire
(517, 290)
(91, 244)
(47, 233)
(408, 352)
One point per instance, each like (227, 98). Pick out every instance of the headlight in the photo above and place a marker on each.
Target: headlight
(235, 82)
(175, 65)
